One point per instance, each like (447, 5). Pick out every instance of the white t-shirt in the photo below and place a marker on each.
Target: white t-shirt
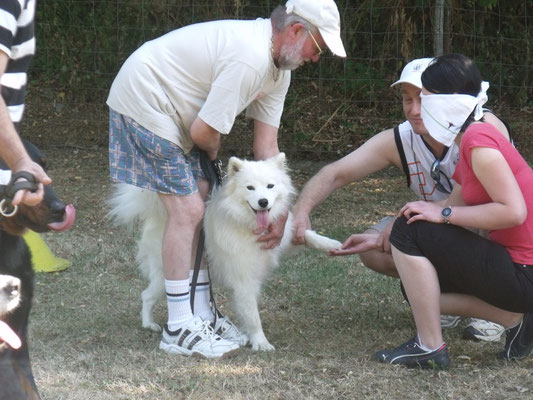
(213, 70)
(417, 160)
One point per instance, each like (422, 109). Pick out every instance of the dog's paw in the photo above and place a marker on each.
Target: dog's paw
(153, 327)
(260, 343)
(319, 242)
(265, 346)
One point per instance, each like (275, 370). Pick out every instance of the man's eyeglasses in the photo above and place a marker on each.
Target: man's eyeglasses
(316, 43)
(436, 173)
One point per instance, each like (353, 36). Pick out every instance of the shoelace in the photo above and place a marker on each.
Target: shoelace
(206, 331)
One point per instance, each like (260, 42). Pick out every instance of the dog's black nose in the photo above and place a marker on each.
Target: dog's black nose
(263, 203)
(12, 288)
(57, 209)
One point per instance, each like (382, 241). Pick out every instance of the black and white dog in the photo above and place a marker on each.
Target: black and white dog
(16, 283)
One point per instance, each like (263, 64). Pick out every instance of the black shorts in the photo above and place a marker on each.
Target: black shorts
(467, 263)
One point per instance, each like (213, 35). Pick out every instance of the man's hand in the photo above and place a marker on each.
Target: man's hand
(25, 196)
(359, 243)
(301, 223)
(274, 233)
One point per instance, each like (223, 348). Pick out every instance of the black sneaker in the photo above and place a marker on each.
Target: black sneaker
(519, 340)
(412, 356)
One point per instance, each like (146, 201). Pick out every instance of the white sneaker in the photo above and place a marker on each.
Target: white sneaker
(479, 329)
(227, 330)
(449, 321)
(196, 338)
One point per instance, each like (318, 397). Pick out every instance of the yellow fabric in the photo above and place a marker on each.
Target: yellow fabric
(42, 258)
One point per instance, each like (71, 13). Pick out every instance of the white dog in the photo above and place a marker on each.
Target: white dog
(255, 194)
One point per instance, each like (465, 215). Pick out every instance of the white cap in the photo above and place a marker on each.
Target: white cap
(412, 72)
(324, 15)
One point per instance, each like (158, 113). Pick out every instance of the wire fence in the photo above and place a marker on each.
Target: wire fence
(332, 106)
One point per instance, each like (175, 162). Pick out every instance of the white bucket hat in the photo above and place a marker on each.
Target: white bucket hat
(412, 72)
(325, 16)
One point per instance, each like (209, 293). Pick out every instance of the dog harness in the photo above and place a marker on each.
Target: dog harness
(7, 192)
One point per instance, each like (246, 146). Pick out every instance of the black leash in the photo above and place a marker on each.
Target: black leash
(214, 174)
(7, 192)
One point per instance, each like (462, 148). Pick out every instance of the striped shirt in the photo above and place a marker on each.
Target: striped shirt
(17, 40)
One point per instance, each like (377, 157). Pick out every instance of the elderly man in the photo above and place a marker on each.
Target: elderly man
(428, 166)
(179, 93)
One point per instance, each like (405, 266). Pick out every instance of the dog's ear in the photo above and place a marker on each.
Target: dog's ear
(234, 165)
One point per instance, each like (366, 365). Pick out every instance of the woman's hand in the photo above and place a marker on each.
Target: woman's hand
(421, 211)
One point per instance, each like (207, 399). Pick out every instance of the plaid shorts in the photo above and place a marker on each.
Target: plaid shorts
(141, 158)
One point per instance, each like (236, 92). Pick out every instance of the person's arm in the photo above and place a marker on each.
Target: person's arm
(265, 140)
(506, 210)
(205, 137)
(12, 151)
(374, 155)
(266, 146)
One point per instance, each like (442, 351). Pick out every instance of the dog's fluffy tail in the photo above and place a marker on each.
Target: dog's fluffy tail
(129, 204)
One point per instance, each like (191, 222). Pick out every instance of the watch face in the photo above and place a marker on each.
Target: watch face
(446, 212)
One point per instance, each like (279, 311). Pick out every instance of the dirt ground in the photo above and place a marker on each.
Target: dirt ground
(326, 316)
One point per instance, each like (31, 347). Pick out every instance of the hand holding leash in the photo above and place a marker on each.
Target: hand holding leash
(12, 193)
(31, 197)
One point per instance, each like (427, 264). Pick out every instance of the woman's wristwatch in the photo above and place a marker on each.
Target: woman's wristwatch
(446, 212)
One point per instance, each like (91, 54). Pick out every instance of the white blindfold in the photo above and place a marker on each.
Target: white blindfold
(445, 114)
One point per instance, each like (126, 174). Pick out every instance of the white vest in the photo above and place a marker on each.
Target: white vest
(417, 160)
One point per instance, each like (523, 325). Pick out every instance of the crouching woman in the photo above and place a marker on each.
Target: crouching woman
(444, 267)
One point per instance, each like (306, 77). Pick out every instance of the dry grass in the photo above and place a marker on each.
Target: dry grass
(325, 316)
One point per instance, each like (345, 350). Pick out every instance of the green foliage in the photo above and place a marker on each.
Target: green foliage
(363, 79)
(82, 44)
(488, 4)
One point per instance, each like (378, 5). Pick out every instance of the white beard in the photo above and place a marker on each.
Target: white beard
(290, 57)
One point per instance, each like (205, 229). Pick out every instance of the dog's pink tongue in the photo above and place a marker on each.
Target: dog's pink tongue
(70, 216)
(261, 218)
(8, 336)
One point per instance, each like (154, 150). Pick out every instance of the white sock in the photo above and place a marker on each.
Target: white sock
(179, 303)
(202, 296)
(423, 347)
